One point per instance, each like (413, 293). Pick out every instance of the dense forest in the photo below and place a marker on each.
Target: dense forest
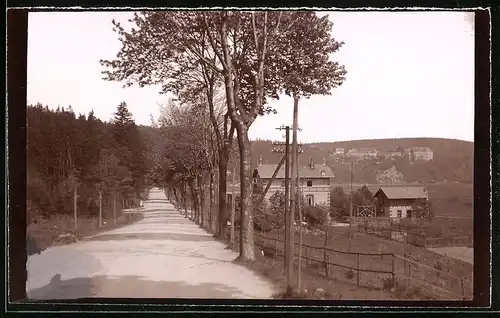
(453, 159)
(66, 151)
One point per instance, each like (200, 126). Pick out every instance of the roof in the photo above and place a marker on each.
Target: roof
(404, 192)
(266, 171)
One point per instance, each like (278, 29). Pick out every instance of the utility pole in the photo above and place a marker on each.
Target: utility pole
(288, 224)
(293, 193)
(100, 207)
(350, 207)
(75, 207)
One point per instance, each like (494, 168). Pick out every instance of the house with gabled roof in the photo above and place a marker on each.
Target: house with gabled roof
(314, 181)
(401, 201)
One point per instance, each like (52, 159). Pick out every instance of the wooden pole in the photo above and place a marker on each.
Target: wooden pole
(293, 192)
(393, 270)
(299, 279)
(75, 208)
(462, 286)
(325, 256)
(114, 207)
(100, 207)
(357, 267)
(287, 198)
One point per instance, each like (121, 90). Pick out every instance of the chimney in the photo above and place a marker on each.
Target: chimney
(260, 160)
(324, 161)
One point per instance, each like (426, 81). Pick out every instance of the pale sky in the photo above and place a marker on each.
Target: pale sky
(409, 74)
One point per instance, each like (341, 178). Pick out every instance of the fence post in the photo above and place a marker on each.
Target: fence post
(357, 278)
(324, 254)
(462, 286)
(275, 249)
(393, 270)
(307, 259)
(409, 274)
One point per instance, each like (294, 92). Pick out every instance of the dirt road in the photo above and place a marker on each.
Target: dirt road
(162, 256)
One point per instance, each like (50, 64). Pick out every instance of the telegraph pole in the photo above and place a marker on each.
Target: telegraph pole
(287, 195)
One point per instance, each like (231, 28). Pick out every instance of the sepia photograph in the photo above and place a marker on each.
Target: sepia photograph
(250, 154)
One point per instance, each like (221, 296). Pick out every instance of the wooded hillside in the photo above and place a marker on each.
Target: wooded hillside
(64, 149)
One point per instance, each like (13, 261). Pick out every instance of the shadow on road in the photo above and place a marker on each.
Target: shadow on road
(127, 287)
(152, 236)
(157, 201)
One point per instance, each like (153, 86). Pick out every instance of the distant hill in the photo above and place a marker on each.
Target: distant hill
(453, 159)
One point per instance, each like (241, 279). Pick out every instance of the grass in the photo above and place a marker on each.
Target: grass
(339, 239)
(60, 229)
(273, 270)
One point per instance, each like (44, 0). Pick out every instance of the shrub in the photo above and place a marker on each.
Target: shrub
(316, 215)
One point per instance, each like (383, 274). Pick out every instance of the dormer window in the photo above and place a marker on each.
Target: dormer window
(322, 172)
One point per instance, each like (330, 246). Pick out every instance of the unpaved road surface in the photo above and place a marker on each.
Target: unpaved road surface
(162, 256)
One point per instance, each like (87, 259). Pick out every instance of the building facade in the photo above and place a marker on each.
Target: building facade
(401, 202)
(314, 181)
(362, 153)
(339, 151)
(420, 153)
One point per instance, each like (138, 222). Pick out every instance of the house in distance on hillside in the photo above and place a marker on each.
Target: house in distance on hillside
(314, 181)
(362, 153)
(420, 153)
(339, 152)
(402, 202)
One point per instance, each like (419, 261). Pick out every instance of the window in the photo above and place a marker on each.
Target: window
(327, 181)
(309, 183)
(310, 199)
(399, 213)
(322, 172)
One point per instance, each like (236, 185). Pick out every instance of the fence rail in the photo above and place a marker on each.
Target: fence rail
(410, 271)
(411, 234)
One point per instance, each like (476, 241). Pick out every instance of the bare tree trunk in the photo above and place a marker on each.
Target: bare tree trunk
(247, 252)
(194, 206)
(222, 195)
(184, 196)
(232, 207)
(200, 202)
(211, 201)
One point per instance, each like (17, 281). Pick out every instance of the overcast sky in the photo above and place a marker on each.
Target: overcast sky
(409, 75)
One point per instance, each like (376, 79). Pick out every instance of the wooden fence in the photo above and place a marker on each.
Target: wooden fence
(410, 234)
(379, 270)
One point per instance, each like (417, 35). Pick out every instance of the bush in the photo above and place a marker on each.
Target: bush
(263, 219)
(316, 215)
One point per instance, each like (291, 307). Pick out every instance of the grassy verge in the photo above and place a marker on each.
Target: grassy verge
(342, 283)
(346, 240)
(60, 229)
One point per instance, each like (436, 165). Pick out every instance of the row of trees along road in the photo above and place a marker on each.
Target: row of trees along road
(252, 56)
(65, 150)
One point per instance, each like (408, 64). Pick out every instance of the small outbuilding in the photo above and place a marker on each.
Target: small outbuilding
(402, 202)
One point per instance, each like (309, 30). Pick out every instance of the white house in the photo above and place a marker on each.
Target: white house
(314, 181)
